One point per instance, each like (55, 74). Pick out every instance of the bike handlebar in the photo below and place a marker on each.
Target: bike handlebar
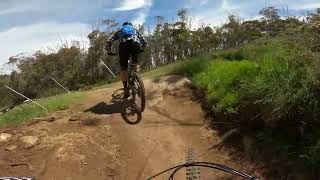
(207, 165)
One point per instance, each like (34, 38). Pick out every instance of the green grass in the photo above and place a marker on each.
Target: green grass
(259, 50)
(101, 84)
(222, 81)
(282, 85)
(186, 67)
(162, 71)
(28, 111)
(269, 79)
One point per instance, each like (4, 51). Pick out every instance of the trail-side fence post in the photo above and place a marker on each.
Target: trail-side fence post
(26, 97)
(60, 84)
(107, 67)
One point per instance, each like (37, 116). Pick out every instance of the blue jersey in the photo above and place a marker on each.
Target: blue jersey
(135, 37)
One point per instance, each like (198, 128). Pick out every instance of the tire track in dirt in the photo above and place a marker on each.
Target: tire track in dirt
(98, 144)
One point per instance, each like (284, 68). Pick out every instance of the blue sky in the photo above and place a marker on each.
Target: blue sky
(30, 25)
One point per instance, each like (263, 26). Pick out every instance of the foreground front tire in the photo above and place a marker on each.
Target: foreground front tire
(192, 172)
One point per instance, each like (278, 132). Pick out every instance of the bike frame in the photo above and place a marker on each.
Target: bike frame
(131, 72)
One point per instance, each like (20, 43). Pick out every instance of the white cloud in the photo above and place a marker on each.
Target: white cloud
(227, 5)
(141, 18)
(11, 11)
(127, 5)
(38, 36)
(207, 18)
(309, 6)
(143, 7)
(197, 3)
(25, 6)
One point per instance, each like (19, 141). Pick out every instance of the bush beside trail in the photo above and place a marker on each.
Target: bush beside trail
(267, 92)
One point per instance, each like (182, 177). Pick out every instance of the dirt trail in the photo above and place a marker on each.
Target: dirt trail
(91, 141)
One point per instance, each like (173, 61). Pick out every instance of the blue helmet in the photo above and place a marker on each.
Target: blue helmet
(127, 23)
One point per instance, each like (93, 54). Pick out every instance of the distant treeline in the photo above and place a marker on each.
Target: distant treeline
(168, 42)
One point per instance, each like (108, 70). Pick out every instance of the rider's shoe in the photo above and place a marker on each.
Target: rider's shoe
(126, 93)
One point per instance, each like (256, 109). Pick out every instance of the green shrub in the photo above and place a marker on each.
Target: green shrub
(231, 54)
(258, 50)
(193, 66)
(284, 86)
(273, 49)
(285, 91)
(221, 79)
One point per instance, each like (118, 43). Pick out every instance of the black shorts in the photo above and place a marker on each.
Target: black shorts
(127, 51)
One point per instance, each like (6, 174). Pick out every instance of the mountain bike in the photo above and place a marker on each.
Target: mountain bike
(134, 105)
(193, 169)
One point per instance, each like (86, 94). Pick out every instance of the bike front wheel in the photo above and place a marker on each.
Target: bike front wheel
(140, 97)
(131, 113)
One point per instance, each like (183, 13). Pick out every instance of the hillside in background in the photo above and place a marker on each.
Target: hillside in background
(170, 42)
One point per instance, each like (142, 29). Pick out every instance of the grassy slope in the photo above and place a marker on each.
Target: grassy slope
(271, 84)
(28, 111)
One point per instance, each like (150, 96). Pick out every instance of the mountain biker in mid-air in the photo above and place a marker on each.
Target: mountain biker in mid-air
(131, 42)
